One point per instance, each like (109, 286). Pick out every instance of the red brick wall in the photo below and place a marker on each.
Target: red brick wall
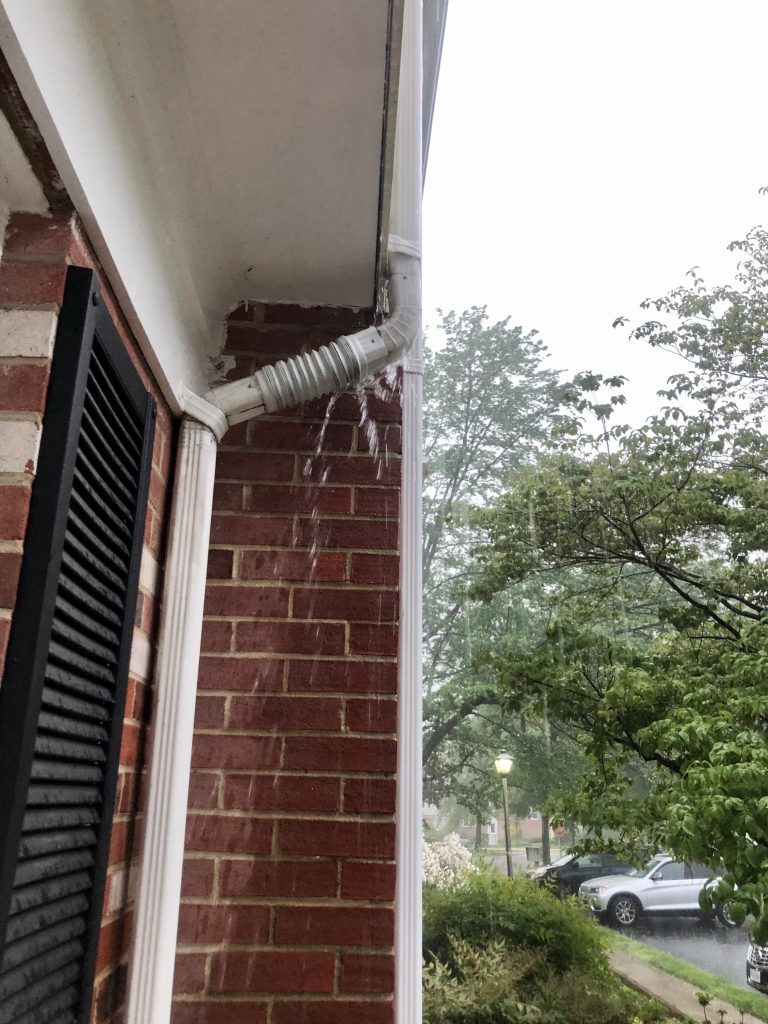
(288, 888)
(35, 256)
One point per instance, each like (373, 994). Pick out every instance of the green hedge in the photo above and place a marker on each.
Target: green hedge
(509, 952)
(518, 912)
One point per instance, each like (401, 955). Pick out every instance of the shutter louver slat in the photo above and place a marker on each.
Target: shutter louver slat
(92, 567)
(71, 637)
(75, 562)
(113, 433)
(77, 685)
(68, 704)
(38, 980)
(80, 597)
(104, 425)
(112, 398)
(55, 842)
(87, 476)
(95, 546)
(100, 497)
(80, 615)
(44, 868)
(92, 498)
(56, 1010)
(59, 817)
(49, 891)
(21, 952)
(45, 796)
(58, 653)
(46, 916)
(49, 926)
(64, 771)
(108, 538)
(95, 452)
(74, 750)
(71, 727)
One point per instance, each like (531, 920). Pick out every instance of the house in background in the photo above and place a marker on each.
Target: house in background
(522, 829)
(209, 570)
(452, 817)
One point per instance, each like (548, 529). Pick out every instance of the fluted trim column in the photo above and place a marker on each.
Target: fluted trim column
(159, 889)
(405, 222)
(409, 739)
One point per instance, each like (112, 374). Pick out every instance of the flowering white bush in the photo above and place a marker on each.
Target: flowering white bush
(446, 864)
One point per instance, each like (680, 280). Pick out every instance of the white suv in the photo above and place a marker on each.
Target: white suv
(662, 886)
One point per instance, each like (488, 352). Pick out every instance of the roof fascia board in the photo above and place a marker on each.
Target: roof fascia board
(435, 15)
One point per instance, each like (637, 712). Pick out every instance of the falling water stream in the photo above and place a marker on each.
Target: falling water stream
(316, 472)
(384, 388)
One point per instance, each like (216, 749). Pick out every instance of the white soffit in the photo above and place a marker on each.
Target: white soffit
(217, 151)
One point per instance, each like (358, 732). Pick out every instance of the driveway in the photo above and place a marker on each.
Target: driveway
(710, 946)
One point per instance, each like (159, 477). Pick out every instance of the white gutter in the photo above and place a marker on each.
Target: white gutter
(346, 361)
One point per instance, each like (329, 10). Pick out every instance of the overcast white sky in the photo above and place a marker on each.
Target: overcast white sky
(584, 155)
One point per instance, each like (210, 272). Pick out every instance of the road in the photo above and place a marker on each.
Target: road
(499, 861)
(713, 948)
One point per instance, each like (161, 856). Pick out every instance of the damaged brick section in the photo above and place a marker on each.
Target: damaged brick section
(289, 879)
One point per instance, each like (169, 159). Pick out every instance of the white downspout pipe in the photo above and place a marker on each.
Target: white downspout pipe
(346, 361)
(157, 900)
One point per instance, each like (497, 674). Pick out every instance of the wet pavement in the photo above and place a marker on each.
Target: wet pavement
(499, 861)
(710, 946)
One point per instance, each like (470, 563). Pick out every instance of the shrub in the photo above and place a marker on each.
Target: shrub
(490, 908)
(497, 984)
(510, 952)
(576, 998)
(480, 987)
(446, 864)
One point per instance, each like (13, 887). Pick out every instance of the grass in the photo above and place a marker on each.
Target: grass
(743, 999)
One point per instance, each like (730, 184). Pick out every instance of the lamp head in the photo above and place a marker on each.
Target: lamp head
(503, 763)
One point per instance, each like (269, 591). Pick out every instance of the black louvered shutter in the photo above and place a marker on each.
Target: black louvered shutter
(63, 690)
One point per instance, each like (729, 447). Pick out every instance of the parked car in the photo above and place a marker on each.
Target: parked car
(568, 872)
(757, 967)
(662, 886)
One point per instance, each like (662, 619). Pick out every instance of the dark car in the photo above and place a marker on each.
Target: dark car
(569, 871)
(757, 967)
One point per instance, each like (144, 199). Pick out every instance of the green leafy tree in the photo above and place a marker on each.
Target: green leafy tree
(489, 404)
(548, 766)
(548, 762)
(650, 548)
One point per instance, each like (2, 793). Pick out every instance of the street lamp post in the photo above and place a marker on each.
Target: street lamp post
(503, 763)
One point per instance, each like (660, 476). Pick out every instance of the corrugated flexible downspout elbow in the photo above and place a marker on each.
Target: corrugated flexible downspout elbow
(342, 363)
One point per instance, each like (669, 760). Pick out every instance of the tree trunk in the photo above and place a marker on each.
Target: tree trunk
(478, 832)
(546, 855)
